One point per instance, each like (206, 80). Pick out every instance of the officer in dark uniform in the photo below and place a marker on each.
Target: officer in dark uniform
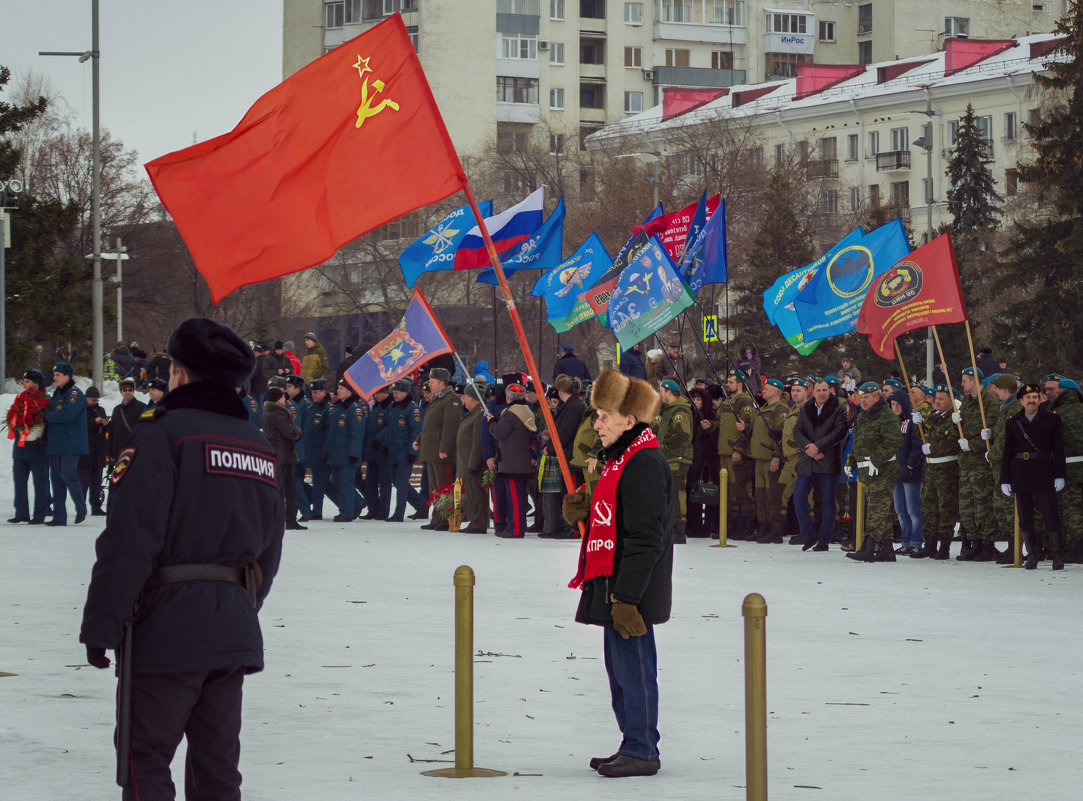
(378, 468)
(344, 447)
(297, 406)
(397, 438)
(65, 442)
(191, 544)
(252, 408)
(1033, 468)
(156, 389)
(314, 438)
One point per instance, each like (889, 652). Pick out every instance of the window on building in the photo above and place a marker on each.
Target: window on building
(864, 18)
(1034, 119)
(853, 145)
(802, 151)
(827, 31)
(633, 102)
(855, 198)
(633, 57)
(900, 139)
(721, 60)
(513, 183)
(510, 141)
(531, 8)
(727, 12)
(591, 95)
(334, 15)
(900, 194)
(676, 11)
(633, 13)
(585, 131)
(519, 47)
(829, 201)
(956, 26)
(829, 148)
(927, 190)
(784, 65)
(953, 132)
(516, 90)
(1011, 182)
(874, 144)
(591, 51)
(586, 183)
(780, 154)
(556, 53)
(1011, 126)
(556, 144)
(864, 52)
(985, 126)
(787, 23)
(412, 33)
(592, 9)
(874, 195)
(677, 57)
(556, 9)
(556, 99)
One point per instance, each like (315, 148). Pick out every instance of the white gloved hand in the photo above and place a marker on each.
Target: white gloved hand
(956, 418)
(1058, 484)
(1006, 489)
(987, 434)
(849, 471)
(872, 468)
(917, 418)
(927, 449)
(986, 455)
(964, 444)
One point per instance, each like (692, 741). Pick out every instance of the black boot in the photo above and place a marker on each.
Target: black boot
(1007, 556)
(884, 552)
(1032, 548)
(967, 552)
(985, 551)
(1056, 550)
(771, 535)
(866, 552)
(925, 551)
(943, 551)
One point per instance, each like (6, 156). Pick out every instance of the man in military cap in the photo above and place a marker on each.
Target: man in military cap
(765, 446)
(66, 441)
(1033, 469)
(297, 405)
(976, 479)
(735, 415)
(791, 451)
(156, 389)
(876, 441)
(674, 430)
(436, 445)
(344, 447)
(1051, 385)
(940, 490)
(1067, 404)
(402, 430)
(1003, 388)
(471, 464)
(377, 481)
(890, 385)
(191, 545)
(314, 431)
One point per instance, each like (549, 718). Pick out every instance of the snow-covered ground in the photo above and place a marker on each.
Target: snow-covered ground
(917, 680)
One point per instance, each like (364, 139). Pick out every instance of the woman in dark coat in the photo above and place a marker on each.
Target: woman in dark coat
(702, 519)
(283, 434)
(911, 461)
(513, 432)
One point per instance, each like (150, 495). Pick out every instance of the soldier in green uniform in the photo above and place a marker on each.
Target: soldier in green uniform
(976, 475)
(673, 426)
(1003, 388)
(734, 417)
(791, 451)
(940, 491)
(921, 401)
(586, 447)
(765, 446)
(1067, 404)
(876, 440)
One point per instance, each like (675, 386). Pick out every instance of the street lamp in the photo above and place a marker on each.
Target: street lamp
(9, 199)
(120, 255)
(654, 158)
(926, 144)
(96, 303)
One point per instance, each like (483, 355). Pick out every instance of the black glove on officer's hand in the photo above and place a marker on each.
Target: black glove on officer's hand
(627, 620)
(576, 507)
(96, 657)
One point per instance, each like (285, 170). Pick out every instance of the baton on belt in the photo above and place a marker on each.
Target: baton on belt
(124, 706)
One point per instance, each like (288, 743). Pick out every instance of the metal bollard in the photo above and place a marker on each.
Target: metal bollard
(464, 683)
(1017, 539)
(723, 508)
(754, 611)
(859, 523)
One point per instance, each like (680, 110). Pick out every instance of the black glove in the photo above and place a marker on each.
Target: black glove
(576, 507)
(627, 620)
(96, 657)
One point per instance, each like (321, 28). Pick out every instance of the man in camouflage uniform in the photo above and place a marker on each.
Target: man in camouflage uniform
(765, 446)
(1070, 502)
(735, 417)
(976, 475)
(940, 491)
(921, 398)
(876, 441)
(674, 430)
(791, 451)
(1003, 388)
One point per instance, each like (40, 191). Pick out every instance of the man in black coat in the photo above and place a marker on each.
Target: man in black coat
(282, 435)
(1033, 468)
(191, 544)
(820, 433)
(93, 462)
(631, 363)
(125, 415)
(626, 563)
(570, 365)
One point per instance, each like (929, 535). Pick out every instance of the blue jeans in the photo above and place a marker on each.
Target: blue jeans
(908, 508)
(632, 666)
(801, 488)
(64, 475)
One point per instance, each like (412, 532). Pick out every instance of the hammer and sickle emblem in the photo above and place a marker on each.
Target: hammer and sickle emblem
(603, 514)
(366, 109)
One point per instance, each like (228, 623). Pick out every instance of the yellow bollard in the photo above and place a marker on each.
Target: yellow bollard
(1017, 540)
(754, 611)
(723, 508)
(464, 683)
(859, 523)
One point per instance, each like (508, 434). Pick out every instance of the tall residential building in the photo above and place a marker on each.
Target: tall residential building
(561, 69)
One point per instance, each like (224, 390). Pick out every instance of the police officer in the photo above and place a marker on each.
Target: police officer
(192, 542)
(876, 440)
(26, 427)
(378, 468)
(297, 405)
(765, 446)
(940, 490)
(674, 431)
(156, 389)
(734, 429)
(252, 408)
(344, 447)
(397, 439)
(314, 439)
(66, 441)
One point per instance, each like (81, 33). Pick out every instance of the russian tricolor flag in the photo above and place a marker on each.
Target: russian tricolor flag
(507, 229)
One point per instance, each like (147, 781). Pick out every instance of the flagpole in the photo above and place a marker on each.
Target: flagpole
(520, 334)
(974, 364)
(470, 382)
(947, 378)
(906, 378)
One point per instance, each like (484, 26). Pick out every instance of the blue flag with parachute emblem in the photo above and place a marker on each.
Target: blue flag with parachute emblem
(562, 285)
(648, 295)
(435, 250)
(541, 250)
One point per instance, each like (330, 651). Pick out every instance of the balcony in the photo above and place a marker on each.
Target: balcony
(697, 76)
(822, 168)
(707, 33)
(893, 161)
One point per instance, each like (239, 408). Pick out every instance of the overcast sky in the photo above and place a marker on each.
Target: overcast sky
(171, 70)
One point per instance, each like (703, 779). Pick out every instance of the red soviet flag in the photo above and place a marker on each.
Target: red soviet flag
(350, 142)
(921, 290)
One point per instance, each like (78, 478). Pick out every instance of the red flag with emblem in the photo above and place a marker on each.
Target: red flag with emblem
(348, 143)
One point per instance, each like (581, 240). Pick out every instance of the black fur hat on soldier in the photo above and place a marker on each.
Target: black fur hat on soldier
(212, 350)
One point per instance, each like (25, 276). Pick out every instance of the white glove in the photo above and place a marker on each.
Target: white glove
(956, 418)
(964, 444)
(872, 468)
(849, 471)
(1006, 489)
(927, 449)
(987, 434)
(1058, 484)
(986, 455)
(917, 418)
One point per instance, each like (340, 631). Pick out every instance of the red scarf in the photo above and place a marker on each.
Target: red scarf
(26, 412)
(599, 546)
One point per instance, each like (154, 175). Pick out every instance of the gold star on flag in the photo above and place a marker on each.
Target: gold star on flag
(362, 66)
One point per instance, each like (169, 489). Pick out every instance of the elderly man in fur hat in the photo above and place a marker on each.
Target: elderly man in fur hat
(626, 563)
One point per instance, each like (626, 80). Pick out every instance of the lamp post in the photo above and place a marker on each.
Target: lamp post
(96, 301)
(9, 199)
(120, 255)
(926, 144)
(653, 158)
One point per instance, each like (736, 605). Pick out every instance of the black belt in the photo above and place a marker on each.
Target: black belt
(247, 577)
(1029, 456)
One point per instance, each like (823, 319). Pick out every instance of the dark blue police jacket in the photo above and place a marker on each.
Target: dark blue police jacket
(402, 430)
(346, 422)
(315, 433)
(65, 422)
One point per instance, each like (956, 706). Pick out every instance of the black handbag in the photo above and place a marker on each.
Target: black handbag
(704, 493)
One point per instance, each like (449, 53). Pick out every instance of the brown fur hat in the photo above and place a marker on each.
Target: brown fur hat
(615, 392)
(569, 385)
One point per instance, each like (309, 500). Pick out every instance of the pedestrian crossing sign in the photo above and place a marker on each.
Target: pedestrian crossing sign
(710, 328)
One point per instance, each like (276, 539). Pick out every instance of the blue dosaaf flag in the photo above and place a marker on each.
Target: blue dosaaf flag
(562, 285)
(705, 259)
(541, 250)
(786, 288)
(648, 295)
(436, 250)
(699, 219)
(829, 304)
(415, 340)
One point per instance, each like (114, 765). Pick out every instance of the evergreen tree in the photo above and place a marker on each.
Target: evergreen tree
(972, 197)
(12, 119)
(1043, 267)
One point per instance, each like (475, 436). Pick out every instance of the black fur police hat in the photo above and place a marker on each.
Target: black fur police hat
(212, 350)
(318, 383)
(159, 384)
(295, 381)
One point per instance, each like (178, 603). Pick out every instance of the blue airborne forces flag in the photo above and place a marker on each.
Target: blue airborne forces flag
(562, 285)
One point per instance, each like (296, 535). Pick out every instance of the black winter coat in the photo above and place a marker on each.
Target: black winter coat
(572, 366)
(643, 562)
(567, 418)
(828, 430)
(631, 364)
(124, 419)
(197, 484)
(97, 441)
(1042, 440)
(513, 441)
(281, 432)
(909, 456)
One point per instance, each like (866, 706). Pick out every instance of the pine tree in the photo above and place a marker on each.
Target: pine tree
(972, 197)
(1043, 267)
(12, 119)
